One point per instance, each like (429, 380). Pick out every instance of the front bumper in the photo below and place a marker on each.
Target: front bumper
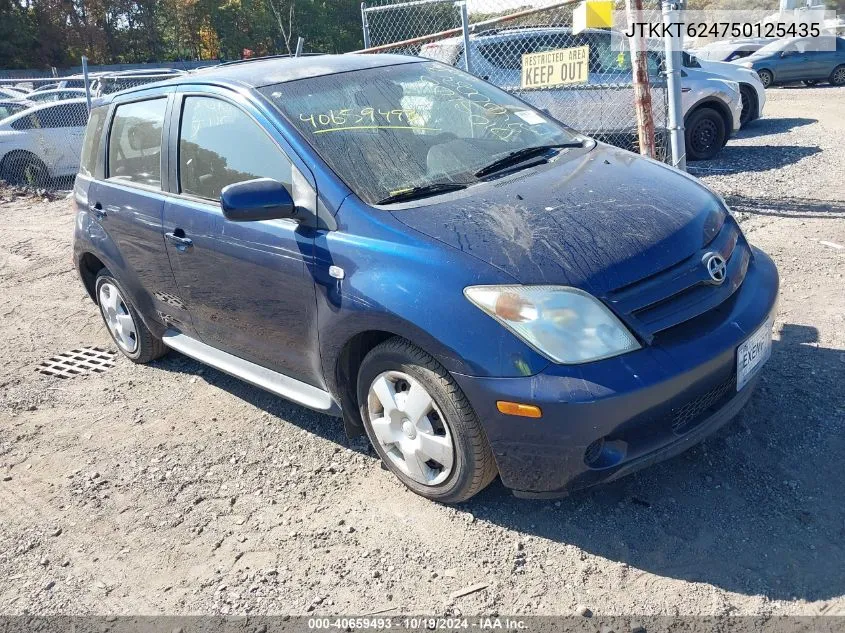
(606, 419)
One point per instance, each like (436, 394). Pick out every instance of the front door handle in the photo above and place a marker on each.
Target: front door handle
(182, 243)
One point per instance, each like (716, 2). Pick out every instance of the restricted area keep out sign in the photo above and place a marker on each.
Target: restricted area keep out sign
(556, 68)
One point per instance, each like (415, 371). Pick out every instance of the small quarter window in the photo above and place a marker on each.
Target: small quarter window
(135, 142)
(219, 144)
(91, 144)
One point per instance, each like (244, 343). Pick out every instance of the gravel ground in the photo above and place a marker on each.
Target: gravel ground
(172, 488)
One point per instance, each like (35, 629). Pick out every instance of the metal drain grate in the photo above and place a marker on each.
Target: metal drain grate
(78, 362)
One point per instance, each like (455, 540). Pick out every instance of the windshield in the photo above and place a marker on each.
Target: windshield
(389, 129)
(776, 47)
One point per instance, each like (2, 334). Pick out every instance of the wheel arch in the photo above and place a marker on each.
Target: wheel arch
(22, 153)
(720, 107)
(89, 266)
(755, 100)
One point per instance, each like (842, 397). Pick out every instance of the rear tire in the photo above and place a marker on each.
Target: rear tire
(706, 134)
(766, 77)
(837, 77)
(123, 323)
(25, 170)
(427, 434)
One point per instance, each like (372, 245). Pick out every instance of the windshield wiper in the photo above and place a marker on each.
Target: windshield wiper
(423, 191)
(521, 155)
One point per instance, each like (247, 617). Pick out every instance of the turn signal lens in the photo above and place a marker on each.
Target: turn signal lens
(522, 410)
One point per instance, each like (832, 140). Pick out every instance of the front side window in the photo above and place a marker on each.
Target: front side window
(387, 129)
(219, 144)
(8, 109)
(135, 142)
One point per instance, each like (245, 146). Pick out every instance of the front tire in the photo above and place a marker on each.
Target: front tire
(766, 77)
(706, 134)
(837, 77)
(422, 425)
(124, 324)
(749, 105)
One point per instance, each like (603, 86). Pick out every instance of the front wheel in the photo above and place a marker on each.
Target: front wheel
(706, 134)
(837, 77)
(766, 77)
(422, 425)
(749, 105)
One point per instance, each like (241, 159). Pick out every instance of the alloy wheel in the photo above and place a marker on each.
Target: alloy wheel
(838, 78)
(410, 428)
(117, 317)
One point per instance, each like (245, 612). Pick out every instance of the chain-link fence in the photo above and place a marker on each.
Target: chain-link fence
(510, 42)
(42, 123)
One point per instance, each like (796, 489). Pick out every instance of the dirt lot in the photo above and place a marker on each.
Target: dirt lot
(172, 488)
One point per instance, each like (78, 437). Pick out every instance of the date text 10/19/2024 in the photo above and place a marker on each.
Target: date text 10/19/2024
(411, 623)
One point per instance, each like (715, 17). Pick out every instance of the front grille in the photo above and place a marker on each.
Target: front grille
(687, 416)
(684, 291)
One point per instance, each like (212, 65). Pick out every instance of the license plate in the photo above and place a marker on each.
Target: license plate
(753, 354)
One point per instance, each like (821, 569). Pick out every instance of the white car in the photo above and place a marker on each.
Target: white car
(42, 142)
(12, 93)
(58, 94)
(751, 89)
(603, 106)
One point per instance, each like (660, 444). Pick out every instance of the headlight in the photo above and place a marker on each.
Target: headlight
(747, 64)
(565, 324)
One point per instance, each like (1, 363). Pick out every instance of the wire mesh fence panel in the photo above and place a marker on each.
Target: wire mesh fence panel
(42, 124)
(513, 44)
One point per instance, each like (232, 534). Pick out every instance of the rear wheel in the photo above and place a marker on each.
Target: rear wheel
(766, 77)
(705, 134)
(24, 169)
(124, 324)
(421, 424)
(837, 77)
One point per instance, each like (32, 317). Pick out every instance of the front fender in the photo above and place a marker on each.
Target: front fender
(401, 282)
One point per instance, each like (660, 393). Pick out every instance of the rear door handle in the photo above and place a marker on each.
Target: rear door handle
(97, 210)
(182, 243)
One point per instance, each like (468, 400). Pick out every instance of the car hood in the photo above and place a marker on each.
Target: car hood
(596, 220)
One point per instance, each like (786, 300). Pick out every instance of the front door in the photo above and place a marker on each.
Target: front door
(246, 284)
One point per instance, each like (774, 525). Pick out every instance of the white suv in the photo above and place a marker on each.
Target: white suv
(602, 107)
(42, 142)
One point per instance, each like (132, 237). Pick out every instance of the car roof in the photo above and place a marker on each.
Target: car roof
(256, 73)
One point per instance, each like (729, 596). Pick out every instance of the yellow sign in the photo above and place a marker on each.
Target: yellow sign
(556, 68)
(593, 14)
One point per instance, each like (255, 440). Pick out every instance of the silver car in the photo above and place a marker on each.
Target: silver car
(603, 106)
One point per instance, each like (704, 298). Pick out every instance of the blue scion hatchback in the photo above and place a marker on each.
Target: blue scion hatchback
(476, 287)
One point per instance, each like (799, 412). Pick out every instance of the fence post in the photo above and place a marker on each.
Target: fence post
(365, 25)
(465, 32)
(87, 83)
(673, 45)
(300, 41)
(642, 87)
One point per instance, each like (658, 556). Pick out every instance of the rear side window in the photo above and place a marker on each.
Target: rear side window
(91, 144)
(135, 142)
(219, 144)
(64, 115)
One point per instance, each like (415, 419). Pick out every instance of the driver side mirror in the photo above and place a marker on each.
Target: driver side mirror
(785, 53)
(259, 199)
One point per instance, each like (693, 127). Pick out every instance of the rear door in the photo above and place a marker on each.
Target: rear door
(246, 283)
(128, 202)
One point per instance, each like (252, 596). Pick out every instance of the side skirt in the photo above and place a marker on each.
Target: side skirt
(274, 382)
